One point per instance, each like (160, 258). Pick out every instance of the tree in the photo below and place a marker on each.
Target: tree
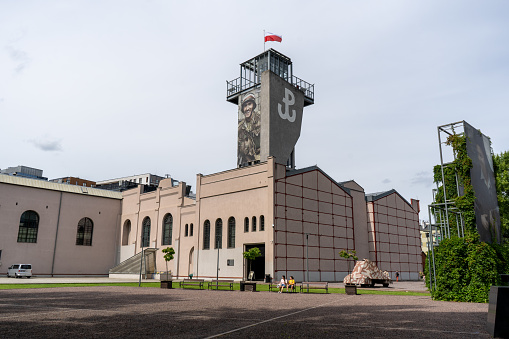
(348, 255)
(251, 255)
(168, 256)
(501, 164)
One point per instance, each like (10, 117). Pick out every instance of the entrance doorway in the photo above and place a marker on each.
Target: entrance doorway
(257, 265)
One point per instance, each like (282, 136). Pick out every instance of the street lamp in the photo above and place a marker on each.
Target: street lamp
(217, 267)
(307, 256)
(141, 262)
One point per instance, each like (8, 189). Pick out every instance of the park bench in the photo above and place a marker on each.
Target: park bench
(274, 285)
(221, 283)
(192, 282)
(307, 285)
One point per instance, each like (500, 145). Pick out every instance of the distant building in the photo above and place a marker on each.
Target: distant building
(124, 183)
(425, 239)
(24, 171)
(74, 181)
(59, 229)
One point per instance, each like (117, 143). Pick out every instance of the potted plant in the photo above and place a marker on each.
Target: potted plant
(166, 278)
(349, 287)
(251, 255)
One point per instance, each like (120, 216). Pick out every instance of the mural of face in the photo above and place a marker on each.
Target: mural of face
(247, 109)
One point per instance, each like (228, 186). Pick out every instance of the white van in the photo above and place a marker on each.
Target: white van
(20, 270)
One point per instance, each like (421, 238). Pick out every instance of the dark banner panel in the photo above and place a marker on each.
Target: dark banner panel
(487, 214)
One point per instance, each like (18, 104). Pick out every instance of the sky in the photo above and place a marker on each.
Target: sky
(106, 89)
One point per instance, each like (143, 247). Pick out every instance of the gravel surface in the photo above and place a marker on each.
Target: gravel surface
(132, 312)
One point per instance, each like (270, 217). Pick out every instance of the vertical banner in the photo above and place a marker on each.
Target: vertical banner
(248, 142)
(482, 176)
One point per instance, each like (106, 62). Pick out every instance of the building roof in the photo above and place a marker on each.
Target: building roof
(128, 176)
(20, 181)
(380, 195)
(316, 168)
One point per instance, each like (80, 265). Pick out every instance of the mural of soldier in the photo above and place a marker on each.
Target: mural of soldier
(248, 148)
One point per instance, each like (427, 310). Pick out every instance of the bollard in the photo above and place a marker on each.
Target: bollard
(498, 312)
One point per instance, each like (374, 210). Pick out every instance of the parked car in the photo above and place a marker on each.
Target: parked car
(20, 270)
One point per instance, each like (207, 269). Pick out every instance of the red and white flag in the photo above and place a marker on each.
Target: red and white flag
(273, 37)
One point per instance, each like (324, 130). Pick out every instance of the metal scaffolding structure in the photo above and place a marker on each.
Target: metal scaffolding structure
(445, 215)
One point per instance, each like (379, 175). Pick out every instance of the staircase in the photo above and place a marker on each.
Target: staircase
(131, 266)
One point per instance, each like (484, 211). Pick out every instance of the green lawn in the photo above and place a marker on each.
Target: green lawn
(259, 287)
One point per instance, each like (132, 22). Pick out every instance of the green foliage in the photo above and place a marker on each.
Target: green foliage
(458, 170)
(169, 252)
(252, 254)
(501, 164)
(348, 254)
(466, 268)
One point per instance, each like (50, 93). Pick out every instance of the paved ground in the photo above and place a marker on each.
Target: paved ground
(128, 312)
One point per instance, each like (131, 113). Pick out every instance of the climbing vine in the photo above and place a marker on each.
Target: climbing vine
(465, 267)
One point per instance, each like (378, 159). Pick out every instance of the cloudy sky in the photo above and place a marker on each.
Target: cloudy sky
(105, 89)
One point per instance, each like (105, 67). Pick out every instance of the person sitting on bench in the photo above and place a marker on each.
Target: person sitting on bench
(282, 284)
(291, 284)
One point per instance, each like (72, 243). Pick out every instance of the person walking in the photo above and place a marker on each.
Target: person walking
(397, 276)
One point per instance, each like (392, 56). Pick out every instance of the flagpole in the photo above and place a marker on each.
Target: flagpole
(264, 40)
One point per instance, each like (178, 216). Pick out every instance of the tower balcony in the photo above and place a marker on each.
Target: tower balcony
(251, 71)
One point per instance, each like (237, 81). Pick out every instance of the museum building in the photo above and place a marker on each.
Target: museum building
(300, 219)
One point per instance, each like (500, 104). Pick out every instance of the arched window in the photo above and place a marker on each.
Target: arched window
(219, 234)
(84, 233)
(262, 223)
(231, 232)
(145, 233)
(126, 232)
(206, 235)
(191, 230)
(246, 224)
(167, 229)
(253, 226)
(187, 230)
(28, 227)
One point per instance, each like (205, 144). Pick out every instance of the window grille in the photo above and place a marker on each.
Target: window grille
(84, 233)
(231, 232)
(246, 224)
(253, 226)
(219, 234)
(145, 235)
(206, 235)
(262, 223)
(167, 229)
(28, 227)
